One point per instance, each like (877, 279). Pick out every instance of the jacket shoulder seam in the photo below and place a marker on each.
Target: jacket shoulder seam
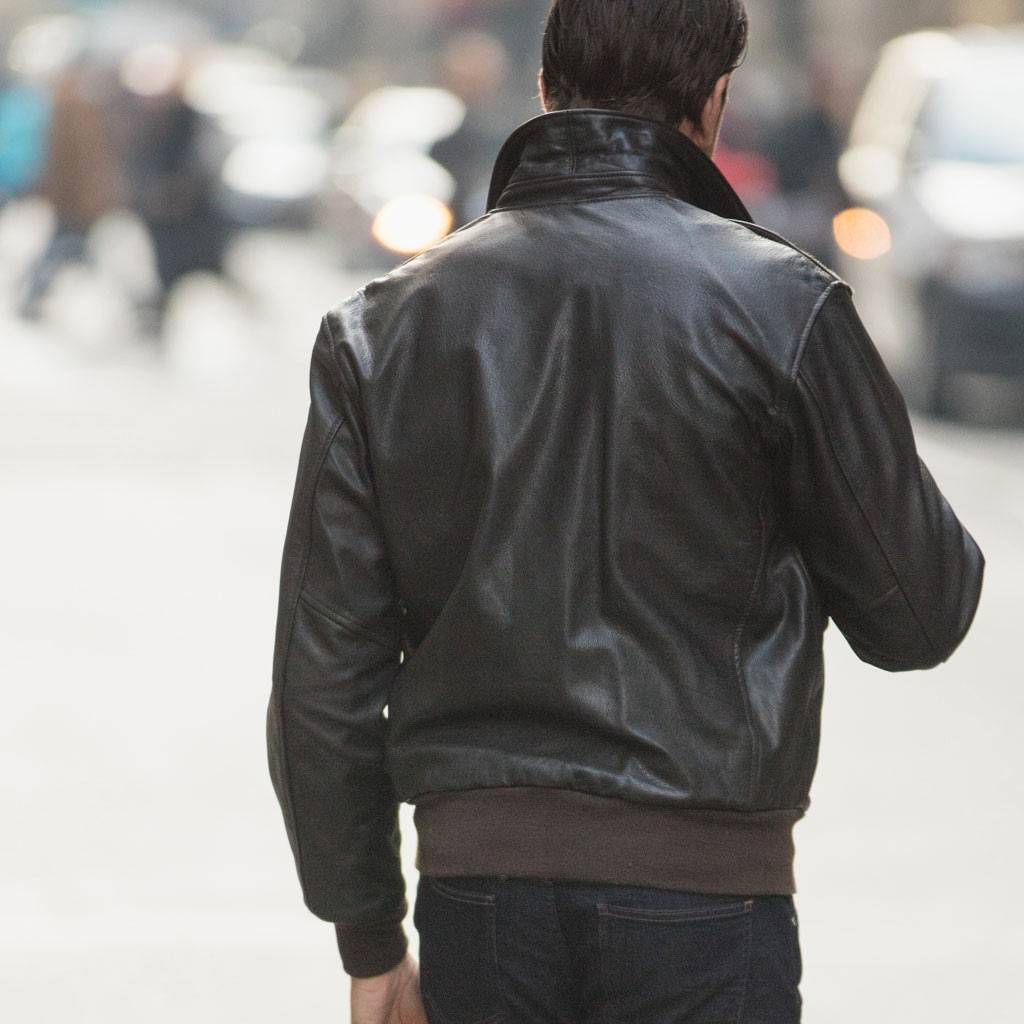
(802, 342)
(774, 236)
(335, 347)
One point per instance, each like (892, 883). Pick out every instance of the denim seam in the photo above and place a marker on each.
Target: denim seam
(499, 986)
(670, 916)
(746, 976)
(549, 894)
(460, 896)
(489, 905)
(602, 954)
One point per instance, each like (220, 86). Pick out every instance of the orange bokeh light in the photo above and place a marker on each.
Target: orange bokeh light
(862, 233)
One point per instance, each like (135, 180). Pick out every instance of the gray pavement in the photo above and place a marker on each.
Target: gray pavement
(144, 869)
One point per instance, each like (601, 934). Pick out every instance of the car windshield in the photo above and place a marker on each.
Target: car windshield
(976, 115)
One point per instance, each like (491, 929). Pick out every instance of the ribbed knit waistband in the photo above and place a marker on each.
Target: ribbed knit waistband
(555, 833)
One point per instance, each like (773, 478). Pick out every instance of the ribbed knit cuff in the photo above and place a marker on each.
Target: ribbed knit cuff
(370, 949)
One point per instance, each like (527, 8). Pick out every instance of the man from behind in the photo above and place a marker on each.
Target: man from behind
(581, 488)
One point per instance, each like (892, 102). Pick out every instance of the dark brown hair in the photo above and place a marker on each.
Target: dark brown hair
(656, 58)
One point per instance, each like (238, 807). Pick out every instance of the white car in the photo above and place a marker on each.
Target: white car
(935, 244)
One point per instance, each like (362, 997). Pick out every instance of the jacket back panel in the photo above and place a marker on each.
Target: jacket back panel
(599, 590)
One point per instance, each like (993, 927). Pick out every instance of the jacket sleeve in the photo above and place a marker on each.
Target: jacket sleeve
(896, 569)
(337, 646)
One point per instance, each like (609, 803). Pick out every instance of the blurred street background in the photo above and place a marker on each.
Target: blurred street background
(184, 190)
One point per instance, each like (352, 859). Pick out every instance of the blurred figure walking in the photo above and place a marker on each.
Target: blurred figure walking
(171, 184)
(474, 66)
(82, 177)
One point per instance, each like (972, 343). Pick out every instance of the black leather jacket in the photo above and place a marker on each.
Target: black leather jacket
(599, 467)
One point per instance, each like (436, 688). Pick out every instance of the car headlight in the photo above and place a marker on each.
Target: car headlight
(862, 233)
(409, 224)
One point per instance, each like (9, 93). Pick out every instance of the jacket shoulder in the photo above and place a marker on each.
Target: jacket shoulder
(827, 274)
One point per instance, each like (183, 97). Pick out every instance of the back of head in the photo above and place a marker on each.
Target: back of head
(657, 58)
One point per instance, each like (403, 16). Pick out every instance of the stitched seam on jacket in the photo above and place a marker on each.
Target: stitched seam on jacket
(802, 345)
(755, 760)
(321, 459)
(760, 229)
(871, 526)
(583, 199)
(597, 176)
(796, 372)
(347, 623)
(358, 398)
(974, 595)
(874, 604)
(755, 750)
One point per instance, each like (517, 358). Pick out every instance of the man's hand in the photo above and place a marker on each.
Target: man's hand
(390, 998)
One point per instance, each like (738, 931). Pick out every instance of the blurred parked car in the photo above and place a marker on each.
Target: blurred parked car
(935, 243)
(270, 125)
(387, 197)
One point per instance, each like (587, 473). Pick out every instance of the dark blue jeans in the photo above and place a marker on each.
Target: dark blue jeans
(498, 950)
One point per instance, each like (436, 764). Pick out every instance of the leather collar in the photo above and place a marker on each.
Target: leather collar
(593, 152)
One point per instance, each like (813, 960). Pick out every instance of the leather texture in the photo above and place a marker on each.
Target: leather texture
(580, 489)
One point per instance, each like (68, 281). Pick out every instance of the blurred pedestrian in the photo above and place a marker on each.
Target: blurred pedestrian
(805, 146)
(171, 182)
(82, 178)
(581, 487)
(24, 129)
(473, 66)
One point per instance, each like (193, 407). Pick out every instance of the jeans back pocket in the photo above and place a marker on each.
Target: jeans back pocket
(670, 955)
(456, 923)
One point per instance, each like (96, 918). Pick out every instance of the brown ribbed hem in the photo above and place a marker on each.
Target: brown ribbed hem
(554, 833)
(370, 949)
